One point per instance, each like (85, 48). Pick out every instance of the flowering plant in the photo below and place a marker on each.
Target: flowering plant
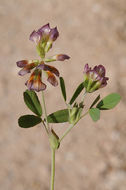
(93, 79)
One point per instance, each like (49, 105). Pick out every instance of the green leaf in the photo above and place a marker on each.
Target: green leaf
(77, 92)
(60, 116)
(109, 101)
(63, 89)
(95, 101)
(27, 121)
(32, 101)
(94, 113)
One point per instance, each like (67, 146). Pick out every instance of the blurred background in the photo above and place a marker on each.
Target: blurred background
(93, 155)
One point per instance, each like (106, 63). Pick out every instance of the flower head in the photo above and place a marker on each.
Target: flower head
(34, 82)
(43, 38)
(94, 78)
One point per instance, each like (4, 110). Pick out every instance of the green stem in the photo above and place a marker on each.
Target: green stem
(52, 169)
(44, 107)
(67, 131)
(84, 114)
(71, 126)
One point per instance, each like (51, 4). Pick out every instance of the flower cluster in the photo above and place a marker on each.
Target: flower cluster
(94, 78)
(43, 38)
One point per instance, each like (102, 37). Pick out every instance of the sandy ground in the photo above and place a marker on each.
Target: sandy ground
(93, 155)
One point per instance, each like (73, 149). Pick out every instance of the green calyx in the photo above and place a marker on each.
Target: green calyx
(48, 46)
(43, 47)
(40, 51)
(91, 85)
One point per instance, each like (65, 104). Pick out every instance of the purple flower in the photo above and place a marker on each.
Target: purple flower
(58, 57)
(51, 72)
(43, 32)
(46, 67)
(44, 38)
(53, 35)
(94, 78)
(34, 82)
(61, 57)
(35, 37)
(26, 66)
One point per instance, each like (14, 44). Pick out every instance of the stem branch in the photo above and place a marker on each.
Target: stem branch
(67, 131)
(71, 126)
